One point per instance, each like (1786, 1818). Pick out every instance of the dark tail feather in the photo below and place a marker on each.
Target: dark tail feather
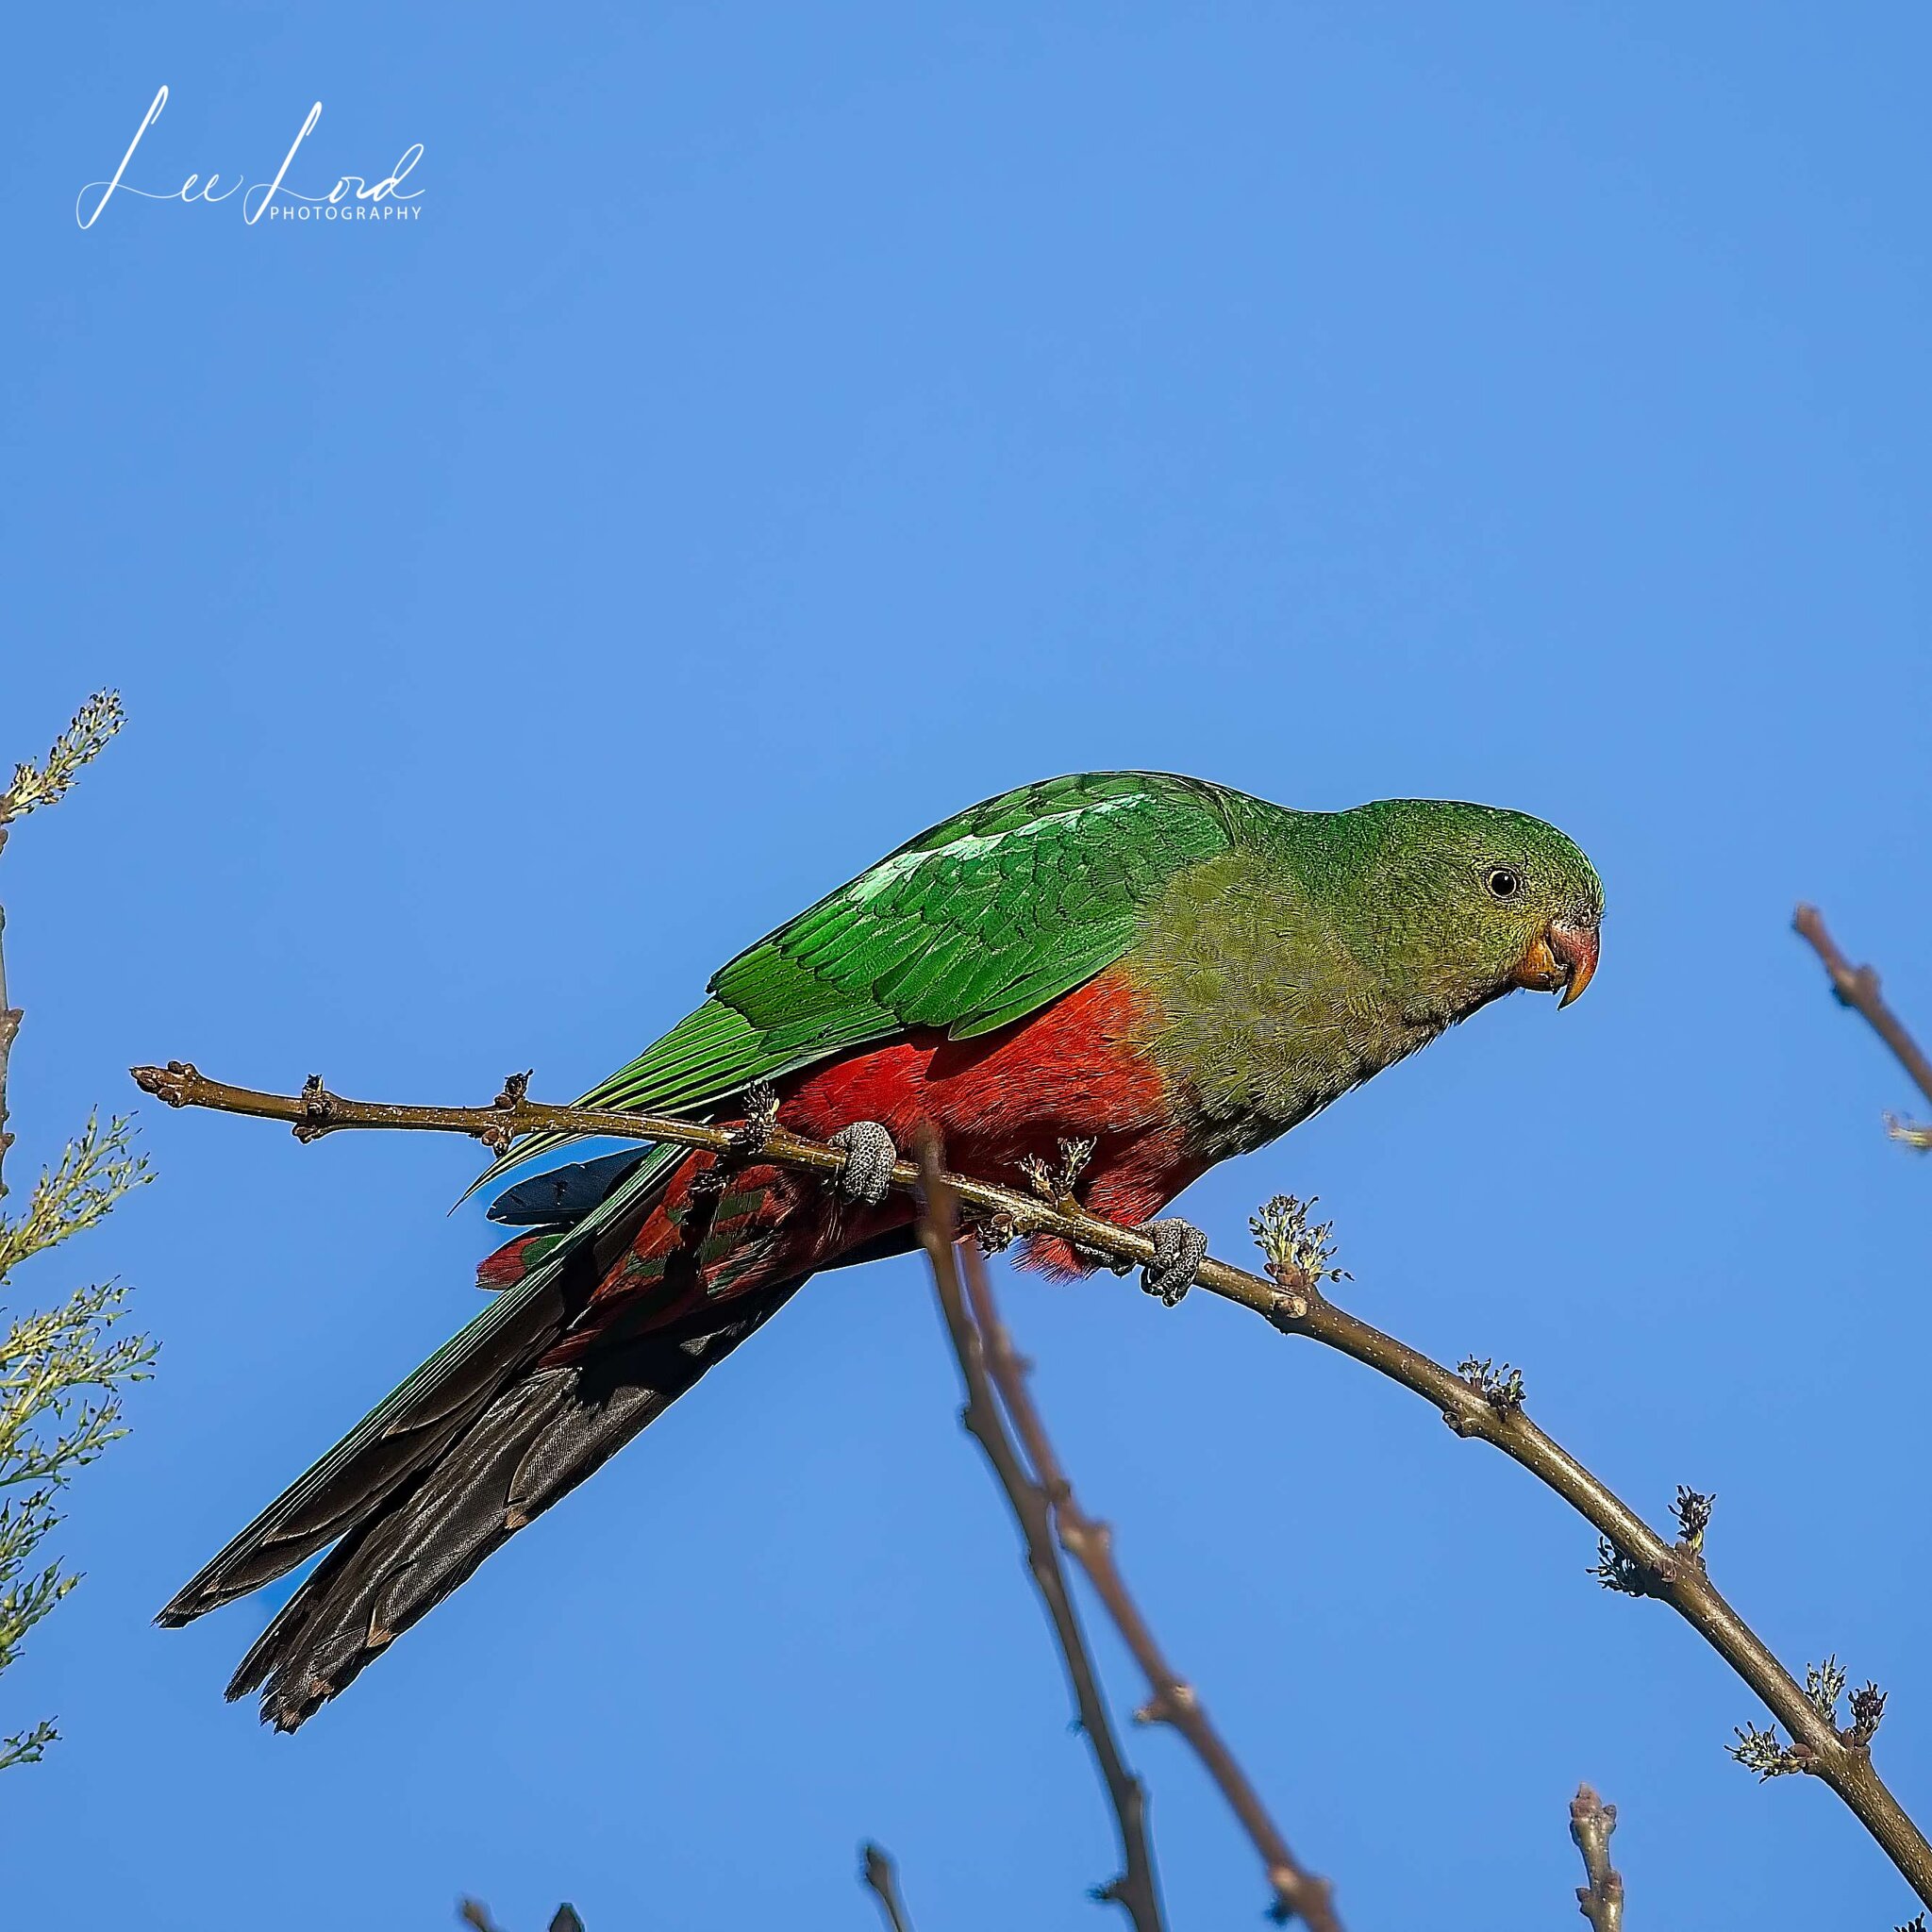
(416, 1540)
(409, 1429)
(381, 1456)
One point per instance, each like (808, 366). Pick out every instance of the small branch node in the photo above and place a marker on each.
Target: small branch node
(1298, 1896)
(1170, 1704)
(1075, 1156)
(1501, 1388)
(1824, 1684)
(1300, 1254)
(1692, 1510)
(996, 1233)
(1084, 1540)
(1288, 1309)
(1058, 1186)
(761, 1121)
(497, 1135)
(1767, 1755)
(168, 1084)
(1867, 1713)
(1621, 1572)
(318, 1110)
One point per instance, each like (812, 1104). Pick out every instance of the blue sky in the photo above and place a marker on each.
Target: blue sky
(780, 427)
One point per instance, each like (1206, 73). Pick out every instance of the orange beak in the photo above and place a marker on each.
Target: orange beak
(1564, 956)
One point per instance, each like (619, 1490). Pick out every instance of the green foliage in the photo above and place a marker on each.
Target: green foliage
(46, 783)
(96, 1171)
(1764, 1753)
(63, 1369)
(1502, 1389)
(1298, 1250)
(1824, 1684)
(62, 1374)
(1768, 1754)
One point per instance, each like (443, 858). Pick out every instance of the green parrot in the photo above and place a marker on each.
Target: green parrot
(1169, 969)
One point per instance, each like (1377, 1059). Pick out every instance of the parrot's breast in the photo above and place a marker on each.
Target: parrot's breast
(1257, 1007)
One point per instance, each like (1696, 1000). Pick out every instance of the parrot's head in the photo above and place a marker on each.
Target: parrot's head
(1468, 901)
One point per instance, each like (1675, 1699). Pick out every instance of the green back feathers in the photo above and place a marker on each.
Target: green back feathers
(980, 921)
(974, 923)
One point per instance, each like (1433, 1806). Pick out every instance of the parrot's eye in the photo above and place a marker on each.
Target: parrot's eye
(1505, 881)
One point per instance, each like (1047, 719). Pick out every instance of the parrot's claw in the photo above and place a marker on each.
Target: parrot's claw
(1179, 1248)
(870, 1159)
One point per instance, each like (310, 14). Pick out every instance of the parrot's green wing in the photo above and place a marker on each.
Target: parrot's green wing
(970, 926)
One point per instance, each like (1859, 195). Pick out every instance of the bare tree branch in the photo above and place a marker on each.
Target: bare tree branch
(1857, 987)
(1135, 1891)
(881, 1877)
(1473, 1405)
(1172, 1700)
(1591, 1822)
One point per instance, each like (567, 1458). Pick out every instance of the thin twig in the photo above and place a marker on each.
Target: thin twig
(1172, 1700)
(1136, 1890)
(1857, 987)
(10, 1018)
(1293, 1302)
(1591, 1822)
(882, 1877)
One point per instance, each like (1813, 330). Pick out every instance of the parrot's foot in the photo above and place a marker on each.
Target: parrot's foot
(870, 1159)
(1179, 1248)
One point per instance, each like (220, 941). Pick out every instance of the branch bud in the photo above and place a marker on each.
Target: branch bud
(1502, 1389)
